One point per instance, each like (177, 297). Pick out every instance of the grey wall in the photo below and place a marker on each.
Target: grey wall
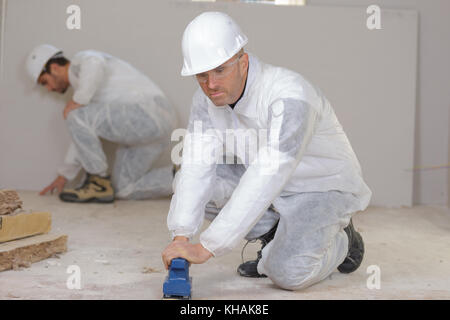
(369, 76)
(433, 95)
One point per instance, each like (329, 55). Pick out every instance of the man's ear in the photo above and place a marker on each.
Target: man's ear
(53, 69)
(41, 77)
(245, 59)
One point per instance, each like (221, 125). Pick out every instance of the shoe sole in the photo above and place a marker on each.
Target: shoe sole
(69, 198)
(247, 274)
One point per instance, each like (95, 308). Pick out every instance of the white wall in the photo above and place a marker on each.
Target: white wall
(369, 76)
(432, 139)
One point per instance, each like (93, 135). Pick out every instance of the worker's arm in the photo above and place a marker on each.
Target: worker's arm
(194, 184)
(195, 179)
(71, 105)
(91, 76)
(71, 166)
(66, 172)
(290, 127)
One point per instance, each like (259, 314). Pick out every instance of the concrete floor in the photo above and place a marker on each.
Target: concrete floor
(118, 249)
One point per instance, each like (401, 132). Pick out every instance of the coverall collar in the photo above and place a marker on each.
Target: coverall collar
(245, 106)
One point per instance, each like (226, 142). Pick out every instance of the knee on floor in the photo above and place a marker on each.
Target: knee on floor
(295, 275)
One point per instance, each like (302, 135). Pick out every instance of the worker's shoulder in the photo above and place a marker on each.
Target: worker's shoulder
(84, 54)
(280, 78)
(280, 82)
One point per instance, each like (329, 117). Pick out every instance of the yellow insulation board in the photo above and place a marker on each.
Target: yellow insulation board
(24, 225)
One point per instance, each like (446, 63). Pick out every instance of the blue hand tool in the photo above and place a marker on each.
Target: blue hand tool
(178, 284)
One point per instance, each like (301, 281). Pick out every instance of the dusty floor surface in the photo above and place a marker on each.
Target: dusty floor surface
(118, 250)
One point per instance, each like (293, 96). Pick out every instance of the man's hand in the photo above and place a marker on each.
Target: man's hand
(181, 248)
(57, 184)
(71, 105)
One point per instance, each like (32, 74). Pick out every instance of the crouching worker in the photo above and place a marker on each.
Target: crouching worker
(296, 192)
(114, 101)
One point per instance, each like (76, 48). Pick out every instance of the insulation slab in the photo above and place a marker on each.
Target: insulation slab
(9, 201)
(24, 252)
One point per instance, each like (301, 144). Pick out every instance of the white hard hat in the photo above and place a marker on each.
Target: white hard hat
(38, 58)
(210, 40)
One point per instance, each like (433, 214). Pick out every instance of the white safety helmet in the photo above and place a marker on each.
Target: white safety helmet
(38, 58)
(210, 40)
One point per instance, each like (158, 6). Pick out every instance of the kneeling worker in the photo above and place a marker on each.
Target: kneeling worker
(114, 101)
(296, 193)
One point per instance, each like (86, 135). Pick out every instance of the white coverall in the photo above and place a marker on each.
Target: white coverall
(122, 105)
(306, 171)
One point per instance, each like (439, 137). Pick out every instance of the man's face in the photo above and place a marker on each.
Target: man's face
(224, 84)
(55, 80)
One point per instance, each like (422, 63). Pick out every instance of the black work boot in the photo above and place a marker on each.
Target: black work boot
(250, 268)
(355, 250)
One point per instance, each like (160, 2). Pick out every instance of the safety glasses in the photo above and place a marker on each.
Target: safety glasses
(219, 73)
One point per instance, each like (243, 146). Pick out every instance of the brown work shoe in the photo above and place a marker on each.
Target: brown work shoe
(94, 189)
